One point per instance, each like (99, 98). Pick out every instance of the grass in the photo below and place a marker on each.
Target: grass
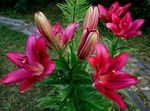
(9, 41)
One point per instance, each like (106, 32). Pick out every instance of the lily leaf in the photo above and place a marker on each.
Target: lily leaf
(61, 64)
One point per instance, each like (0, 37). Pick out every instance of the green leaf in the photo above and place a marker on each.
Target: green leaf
(61, 63)
(125, 49)
(93, 104)
(73, 10)
(84, 65)
(66, 96)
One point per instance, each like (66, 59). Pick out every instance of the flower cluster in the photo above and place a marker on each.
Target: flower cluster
(108, 76)
(124, 27)
(121, 25)
(106, 15)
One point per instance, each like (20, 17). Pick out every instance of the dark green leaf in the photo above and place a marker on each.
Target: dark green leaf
(61, 64)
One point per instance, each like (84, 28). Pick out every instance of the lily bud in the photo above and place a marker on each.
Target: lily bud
(87, 44)
(45, 29)
(91, 18)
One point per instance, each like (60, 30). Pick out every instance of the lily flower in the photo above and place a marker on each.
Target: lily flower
(87, 43)
(64, 35)
(33, 66)
(56, 37)
(91, 18)
(108, 76)
(125, 27)
(105, 15)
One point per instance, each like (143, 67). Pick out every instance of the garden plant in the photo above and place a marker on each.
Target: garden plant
(87, 74)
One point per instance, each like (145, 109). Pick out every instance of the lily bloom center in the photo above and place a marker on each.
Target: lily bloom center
(104, 78)
(37, 69)
(40, 70)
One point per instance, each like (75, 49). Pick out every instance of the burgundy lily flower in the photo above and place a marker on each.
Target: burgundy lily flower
(91, 18)
(56, 37)
(33, 66)
(105, 14)
(87, 43)
(108, 76)
(124, 27)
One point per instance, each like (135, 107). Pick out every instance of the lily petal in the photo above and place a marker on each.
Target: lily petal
(16, 76)
(102, 10)
(137, 24)
(61, 40)
(118, 62)
(57, 29)
(118, 80)
(17, 58)
(40, 49)
(43, 57)
(126, 22)
(93, 61)
(112, 95)
(31, 50)
(103, 57)
(115, 19)
(114, 7)
(113, 27)
(48, 68)
(132, 34)
(123, 9)
(27, 84)
(102, 53)
(70, 30)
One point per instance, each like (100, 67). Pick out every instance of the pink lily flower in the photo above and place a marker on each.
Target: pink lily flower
(125, 27)
(33, 66)
(108, 76)
(64, 35)
(105, 15)
(91, 18)
(56, 37)
(87, 44)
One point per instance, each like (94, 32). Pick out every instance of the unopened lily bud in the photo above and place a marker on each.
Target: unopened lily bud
(45, 29)
(91, 18)
(87, 44)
